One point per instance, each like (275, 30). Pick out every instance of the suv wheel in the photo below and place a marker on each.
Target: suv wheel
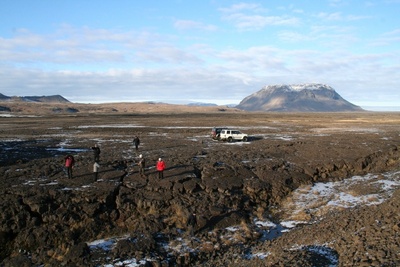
(229, 139)
(245, 139)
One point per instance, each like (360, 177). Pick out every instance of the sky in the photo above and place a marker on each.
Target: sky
(208, 51)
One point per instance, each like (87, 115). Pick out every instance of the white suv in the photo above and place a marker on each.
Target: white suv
(232, 135)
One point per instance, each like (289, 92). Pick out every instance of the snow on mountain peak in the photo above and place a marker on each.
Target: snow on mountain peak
(310, 86)
(300, 87)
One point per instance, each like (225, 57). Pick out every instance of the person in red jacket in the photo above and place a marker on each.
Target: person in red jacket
(69, 163)
(160, 168)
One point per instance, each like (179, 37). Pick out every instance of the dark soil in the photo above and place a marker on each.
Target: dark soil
(50, 220)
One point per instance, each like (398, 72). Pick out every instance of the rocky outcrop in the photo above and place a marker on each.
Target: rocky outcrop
(297, 98)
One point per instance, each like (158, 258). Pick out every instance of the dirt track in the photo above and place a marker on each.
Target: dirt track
(50, 219)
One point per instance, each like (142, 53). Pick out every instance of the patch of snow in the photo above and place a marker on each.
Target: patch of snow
(67, 189)
(264, 223)
(103, 244)
(62, 149)
(7, 115)
(275, 136)
(291, 224)
(284, 137)
(137, 126)
(347, 129)
(127, 263)
(235, 143)
(110, 126)
(51, 183)
(261, 255)
(323, 197)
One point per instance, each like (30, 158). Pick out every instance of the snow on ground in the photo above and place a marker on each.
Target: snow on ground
(110, 126)
(137, 126)
(8, 115)
(316, 200)
(347, 129)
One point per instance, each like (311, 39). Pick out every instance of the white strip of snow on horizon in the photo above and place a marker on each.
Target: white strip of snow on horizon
(346, 129)
(138, 126)
(168, 127)
(63, 149)
(7, 115)
(109, 126)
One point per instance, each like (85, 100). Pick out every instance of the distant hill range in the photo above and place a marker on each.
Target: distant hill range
(274, 98)
(202, 104)
(43, 99)
(297, 98)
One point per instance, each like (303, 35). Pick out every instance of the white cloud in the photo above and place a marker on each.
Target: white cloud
(338, 16)
(247, 17)
(243, 7)
(256, 22)
(330, 16)
(193, 25)
(387, 39)
(167, 54)
(337, 3)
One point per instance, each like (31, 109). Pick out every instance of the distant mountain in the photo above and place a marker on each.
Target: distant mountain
(44, 99)
(202, 104)
(4, 97)
(297, 98)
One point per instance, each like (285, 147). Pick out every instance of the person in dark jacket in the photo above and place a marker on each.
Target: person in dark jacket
(96, 152)
(136, 142)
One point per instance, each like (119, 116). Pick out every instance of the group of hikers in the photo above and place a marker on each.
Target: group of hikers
(191, 223)
(160, 165)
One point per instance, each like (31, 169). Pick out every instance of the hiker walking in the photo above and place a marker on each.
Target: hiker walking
(96, 167)
(69, 163)
(160, 168)
(142, 165)
(96, 152)
(136, 142)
